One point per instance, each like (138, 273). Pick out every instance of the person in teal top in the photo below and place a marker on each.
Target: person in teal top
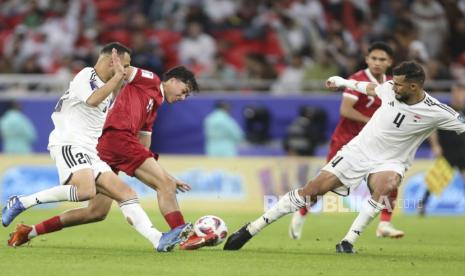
(222, 133)
(17, 131)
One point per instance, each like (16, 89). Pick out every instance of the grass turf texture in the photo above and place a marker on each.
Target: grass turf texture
(432, 245)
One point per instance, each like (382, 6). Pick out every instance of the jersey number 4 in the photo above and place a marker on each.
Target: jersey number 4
(399, 119)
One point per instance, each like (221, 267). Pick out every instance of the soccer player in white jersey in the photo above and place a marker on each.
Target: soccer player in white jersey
(78, 118)
(381, 153)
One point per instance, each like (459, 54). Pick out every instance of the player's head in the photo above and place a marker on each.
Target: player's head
(105, 62)
(222, 105)
(379, 58)
(178, 84)
(408, 78)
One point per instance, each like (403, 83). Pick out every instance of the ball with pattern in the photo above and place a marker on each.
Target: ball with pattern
(211, 224)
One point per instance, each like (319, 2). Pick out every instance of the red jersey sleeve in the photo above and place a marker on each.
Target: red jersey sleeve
(147, 127)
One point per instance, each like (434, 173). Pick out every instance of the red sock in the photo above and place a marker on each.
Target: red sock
(386, 214)
(303, 211)
(50, 225)
(174, 219)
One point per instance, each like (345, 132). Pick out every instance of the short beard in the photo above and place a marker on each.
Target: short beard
(403, 99)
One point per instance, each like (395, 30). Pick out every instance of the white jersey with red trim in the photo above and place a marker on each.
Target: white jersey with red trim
(397, 129)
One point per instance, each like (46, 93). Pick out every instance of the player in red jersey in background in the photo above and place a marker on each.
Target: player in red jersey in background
(124, 145)
(356, 109)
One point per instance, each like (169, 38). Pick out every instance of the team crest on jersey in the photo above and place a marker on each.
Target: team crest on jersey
(147, 74)
(93, 85)
(150, 105)
(416, 118)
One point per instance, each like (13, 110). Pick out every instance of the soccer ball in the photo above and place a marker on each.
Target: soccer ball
(211, 224)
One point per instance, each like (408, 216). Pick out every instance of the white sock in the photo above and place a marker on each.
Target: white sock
(289, 203)
(137, 217)
(33, 233)
(55, 194)
(370, 210)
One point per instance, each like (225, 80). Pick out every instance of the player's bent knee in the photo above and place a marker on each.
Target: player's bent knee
(127, 194)
(167, 188)
(97, 214)
(86, 193)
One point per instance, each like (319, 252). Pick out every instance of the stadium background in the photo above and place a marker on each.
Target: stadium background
(253, 54)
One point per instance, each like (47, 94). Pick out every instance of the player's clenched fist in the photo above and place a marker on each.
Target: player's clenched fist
(336, 82)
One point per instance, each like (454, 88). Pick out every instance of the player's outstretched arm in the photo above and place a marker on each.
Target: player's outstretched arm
(364, 87)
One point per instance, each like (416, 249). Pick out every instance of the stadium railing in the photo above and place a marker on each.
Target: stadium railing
(12, 85)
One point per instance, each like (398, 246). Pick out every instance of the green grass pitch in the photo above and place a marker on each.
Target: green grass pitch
(432, 246)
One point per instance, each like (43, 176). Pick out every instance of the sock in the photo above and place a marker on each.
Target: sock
(55, 194)
(386, 214)
(303, 211)
(289, 203)
(174, 219)
(370, 209)
(47, 226)
(137, 217)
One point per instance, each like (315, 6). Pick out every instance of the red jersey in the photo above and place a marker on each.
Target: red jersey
(136, 106)
(347, 129)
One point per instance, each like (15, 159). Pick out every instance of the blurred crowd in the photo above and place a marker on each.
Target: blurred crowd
(266, 45)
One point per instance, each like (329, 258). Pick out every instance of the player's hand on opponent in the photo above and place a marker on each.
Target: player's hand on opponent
(119, 69)
(335, 82)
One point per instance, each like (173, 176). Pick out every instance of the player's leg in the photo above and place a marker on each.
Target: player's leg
(79, 185)
(296, 226)
(381, 184)
(289, 203)
(385, 227)
(298, 218)
(96, 210)
(128, 202)
(154, 176)
(75, 175)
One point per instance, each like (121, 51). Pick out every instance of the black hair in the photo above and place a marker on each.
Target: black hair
(412, 71)
(383, 46)
(183, 74)
(120, 48)
(221, 105)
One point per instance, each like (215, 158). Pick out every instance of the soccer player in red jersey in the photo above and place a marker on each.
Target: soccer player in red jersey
(356, 109)
(124, 145)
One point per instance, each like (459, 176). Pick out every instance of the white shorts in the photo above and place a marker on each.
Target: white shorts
(352, 168)
(70, 159)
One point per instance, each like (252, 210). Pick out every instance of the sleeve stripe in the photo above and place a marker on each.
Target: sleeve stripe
(133, 74)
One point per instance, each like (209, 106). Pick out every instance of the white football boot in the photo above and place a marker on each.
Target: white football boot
(386, 230)
(297, 225)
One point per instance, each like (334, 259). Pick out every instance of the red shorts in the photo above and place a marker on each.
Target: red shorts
(122, 151)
